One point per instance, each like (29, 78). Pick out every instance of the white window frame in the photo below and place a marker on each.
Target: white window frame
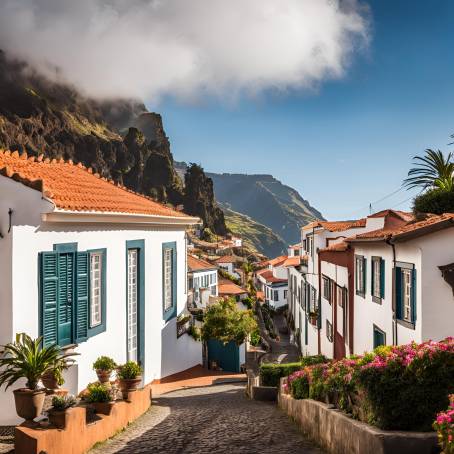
(376, 269)
(168, 297)
(406, 294)
(96, 285)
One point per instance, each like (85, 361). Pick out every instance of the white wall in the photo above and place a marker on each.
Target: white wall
(164, 353)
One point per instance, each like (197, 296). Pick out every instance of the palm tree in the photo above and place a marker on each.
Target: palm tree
(432, 171)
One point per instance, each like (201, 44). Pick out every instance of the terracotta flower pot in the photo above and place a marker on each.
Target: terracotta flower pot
(103, 408)
(128, 385)
(58, 418)
(49, 381)
(104, 376)
(29, 402)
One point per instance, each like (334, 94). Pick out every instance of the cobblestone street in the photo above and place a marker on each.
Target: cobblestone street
(212, 420)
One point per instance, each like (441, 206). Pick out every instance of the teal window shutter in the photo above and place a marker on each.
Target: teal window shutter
(48, 271)
(398, 290)
(382, 278)
(82, 271)
(373, 264)
(413, 296)
(364, 275)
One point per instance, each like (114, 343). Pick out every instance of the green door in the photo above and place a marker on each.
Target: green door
(65, 297)
(227, 356)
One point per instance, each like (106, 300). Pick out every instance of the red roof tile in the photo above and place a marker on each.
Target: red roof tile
(428, 225)
(195, 264)
(75, 188)
(292, 261)
(404, 215)
(269, 277)
(336, 247)
(226, 287)
(336, 226)
(227, 259)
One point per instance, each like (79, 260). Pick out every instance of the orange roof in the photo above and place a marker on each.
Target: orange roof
(195, 264)
(269, 277)
(404, 215)
(227, 259)
(260, 295)
(75, 188)
(278, 260)
(409, 230)
(336, 226)
(292, 261)
(226, 287)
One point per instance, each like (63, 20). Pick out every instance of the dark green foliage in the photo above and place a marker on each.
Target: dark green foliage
(104, 363)
(255, 338)
(315, 359)
(436, 201)
(270, 374)
(299, 387)
(128, 371)
(97, 392)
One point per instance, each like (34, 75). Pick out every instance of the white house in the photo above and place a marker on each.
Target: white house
(202, 281)
(404, 283)
(91, 266)
(228, 263)
(273, 280)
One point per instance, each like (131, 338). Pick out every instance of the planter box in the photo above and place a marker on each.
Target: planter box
(337, 433)
(31, 438)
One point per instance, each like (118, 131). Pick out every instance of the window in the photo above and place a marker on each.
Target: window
(327, 288)
(304, 246)
(360, 275)
(405, 276)
(379, 337)
(285, 294)
(71, 294)
(378, 279)
(329, 331)
(95, 289)
(169, 280)
(276, 295)
(310, 245)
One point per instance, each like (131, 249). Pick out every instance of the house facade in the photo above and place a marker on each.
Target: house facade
(373, 283)
(202, 282)
(93, 267)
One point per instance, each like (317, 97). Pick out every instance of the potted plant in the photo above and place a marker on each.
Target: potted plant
(313, 317)
(129, 376)
(101, 397)
(61, 406)
(104, 367)
(26, 358)
(52, 379)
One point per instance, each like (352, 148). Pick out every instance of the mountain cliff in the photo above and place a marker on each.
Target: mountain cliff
(119, 139)
(266, 201)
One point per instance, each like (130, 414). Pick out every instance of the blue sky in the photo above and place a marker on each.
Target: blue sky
(350, 142)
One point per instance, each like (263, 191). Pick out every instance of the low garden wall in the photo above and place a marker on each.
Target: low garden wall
(337, 433)
(78, 436)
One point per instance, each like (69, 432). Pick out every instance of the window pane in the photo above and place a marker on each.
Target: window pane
(95, 289)
(168, 279)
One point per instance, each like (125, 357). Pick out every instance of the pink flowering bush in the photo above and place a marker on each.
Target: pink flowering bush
(394, 387)
(444, 425)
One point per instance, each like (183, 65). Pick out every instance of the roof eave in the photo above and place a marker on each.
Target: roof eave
(63, 216)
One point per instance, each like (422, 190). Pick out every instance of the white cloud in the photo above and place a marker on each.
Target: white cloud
(187, 48)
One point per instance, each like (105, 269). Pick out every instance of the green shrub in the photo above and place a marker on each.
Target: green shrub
(315, 359)
(255, 338)
(97, 392)
(104, 363)
(270, 374)
(61, 403)
(299, 386)
(129, 371)
(437, 201)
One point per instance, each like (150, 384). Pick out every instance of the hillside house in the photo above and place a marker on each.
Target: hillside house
(93, 267)
(202, 282)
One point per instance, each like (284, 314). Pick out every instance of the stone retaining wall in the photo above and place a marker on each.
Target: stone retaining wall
(339, 434)
(78, 436)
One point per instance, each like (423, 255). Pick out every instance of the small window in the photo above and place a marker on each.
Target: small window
(406, 295)
(327, 288)
(378, 282)
(285, 294)
(276, 295)
(379, 337)
(329, 331)
(360, 275)
(96, 289)
(168, 297)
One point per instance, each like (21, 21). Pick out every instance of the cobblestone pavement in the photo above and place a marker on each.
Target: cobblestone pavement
(211, 420)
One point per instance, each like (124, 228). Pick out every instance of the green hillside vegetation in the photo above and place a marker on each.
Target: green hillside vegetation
(255, 236)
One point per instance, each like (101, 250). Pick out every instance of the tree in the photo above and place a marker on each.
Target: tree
(432, 171)
(225, 322)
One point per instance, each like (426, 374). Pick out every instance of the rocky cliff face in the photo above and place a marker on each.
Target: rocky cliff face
(119, 139)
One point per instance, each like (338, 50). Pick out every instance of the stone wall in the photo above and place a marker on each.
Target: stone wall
(337, 433)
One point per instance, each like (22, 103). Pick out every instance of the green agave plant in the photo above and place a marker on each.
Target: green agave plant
(26, 358)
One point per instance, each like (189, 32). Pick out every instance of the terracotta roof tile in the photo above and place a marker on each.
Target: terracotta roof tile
(278, 260)
(196, 264)
(292, 261)
(269, 277)
(226, 287)
(75, 188)
(337, 226)
(336, 247)
(404, 215)
(227, 259)
(431, 223)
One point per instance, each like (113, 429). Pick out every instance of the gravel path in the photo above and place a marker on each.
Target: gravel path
(211, 420)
